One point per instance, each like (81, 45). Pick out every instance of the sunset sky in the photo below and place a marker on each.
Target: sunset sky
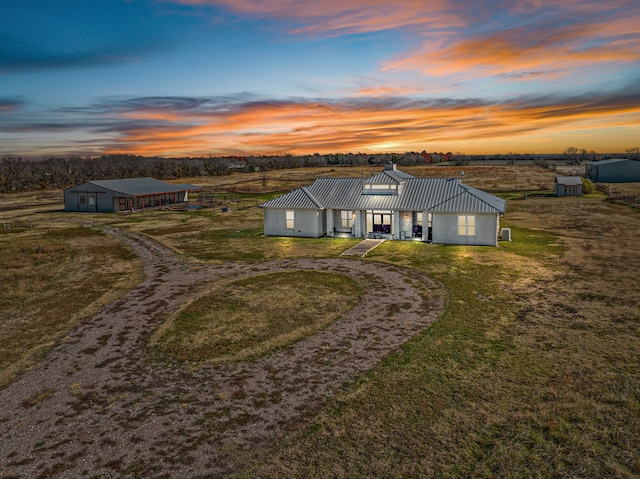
(216, 77)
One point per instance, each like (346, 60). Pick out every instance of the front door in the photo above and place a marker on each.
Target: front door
(379, 222)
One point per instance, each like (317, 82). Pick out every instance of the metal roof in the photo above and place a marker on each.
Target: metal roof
(568, 180)
(138, 186)
(606, 162)
(297, 199)
(417, 194)
(389, 176)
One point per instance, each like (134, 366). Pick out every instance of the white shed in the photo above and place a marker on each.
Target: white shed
(568, 186)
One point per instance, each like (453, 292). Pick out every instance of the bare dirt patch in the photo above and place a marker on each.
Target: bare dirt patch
(97, 406)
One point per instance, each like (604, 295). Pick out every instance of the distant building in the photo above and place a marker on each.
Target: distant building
(568, 186)
(390, 205)
(130, 194)
(617, 170)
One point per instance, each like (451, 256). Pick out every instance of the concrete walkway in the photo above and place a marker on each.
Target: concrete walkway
(362, 248)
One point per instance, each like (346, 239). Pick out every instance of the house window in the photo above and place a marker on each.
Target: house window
(290, 219)
(347, 218)
(466, 225)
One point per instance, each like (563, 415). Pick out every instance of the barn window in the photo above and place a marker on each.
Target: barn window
(290, 219)
(466, 225)
(347, 218)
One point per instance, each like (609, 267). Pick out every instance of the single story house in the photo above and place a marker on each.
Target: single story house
(568, 186)
(616, 170)
(390, 205)
(129, 194)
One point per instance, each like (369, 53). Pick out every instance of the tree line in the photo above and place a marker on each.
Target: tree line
(17, 174)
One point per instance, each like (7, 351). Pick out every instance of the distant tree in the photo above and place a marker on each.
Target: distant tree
(633, 153)
(460, 159)
(571, 153)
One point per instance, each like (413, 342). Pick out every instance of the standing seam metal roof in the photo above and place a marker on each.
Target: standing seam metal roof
(419, 194)
(138, 186)
(568, 180)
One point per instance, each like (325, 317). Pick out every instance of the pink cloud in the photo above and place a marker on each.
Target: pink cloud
(364, 125)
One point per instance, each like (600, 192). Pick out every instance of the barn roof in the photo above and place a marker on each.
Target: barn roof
(415, 194)
(568, 180)
(609, 161)
(129, 187)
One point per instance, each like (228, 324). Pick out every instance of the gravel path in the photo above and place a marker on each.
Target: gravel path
(97, 407)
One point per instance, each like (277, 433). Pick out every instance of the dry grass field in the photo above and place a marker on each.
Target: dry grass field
(532, 370)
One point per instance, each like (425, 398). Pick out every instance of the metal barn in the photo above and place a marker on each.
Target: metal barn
(129, 194)
(617, 170)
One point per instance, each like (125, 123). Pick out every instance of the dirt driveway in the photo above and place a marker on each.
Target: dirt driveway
(98, 407)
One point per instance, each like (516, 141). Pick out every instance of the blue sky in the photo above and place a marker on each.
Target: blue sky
(207, 77)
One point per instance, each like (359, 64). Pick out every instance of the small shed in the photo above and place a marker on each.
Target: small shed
(615, 170)
(568, 186)
(128, 194)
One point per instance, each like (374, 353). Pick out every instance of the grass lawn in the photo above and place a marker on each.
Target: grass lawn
(532, 370)
(253, 316)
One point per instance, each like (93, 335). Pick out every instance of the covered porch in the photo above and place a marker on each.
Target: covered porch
(379, 224)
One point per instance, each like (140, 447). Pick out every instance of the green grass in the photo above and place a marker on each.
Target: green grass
(254, 316)
(531, 371)
(504, 384)
(51, 279)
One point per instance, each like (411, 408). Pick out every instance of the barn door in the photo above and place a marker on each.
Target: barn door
(82, 202)
(92, 202)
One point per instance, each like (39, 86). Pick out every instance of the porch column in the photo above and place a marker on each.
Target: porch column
(330, 222)
(395, 230)
(425, 226)
(357, 224)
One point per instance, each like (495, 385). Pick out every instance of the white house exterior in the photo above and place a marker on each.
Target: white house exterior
(390, 205)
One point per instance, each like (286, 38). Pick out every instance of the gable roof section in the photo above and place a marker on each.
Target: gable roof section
(301, 198)
(389, 177)
(419, 194)
(471, 200)
(129, 187)
(568, 180)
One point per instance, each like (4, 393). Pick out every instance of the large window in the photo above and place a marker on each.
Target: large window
(347, 218)
(466, 225)
(290, 219)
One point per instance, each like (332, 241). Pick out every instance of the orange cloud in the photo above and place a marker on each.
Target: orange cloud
(392, 124)
(518, 50)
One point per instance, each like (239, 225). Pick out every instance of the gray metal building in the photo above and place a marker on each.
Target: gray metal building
(617, 170)
(390, 205)
(568, 186)
(129, 194)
